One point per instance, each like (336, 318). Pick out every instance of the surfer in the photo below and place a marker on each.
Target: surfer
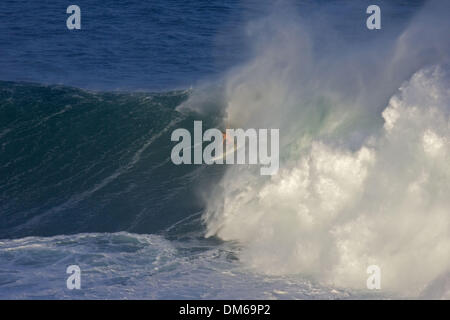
(228, 141)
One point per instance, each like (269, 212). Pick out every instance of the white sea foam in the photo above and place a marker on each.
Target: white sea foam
(359, 183)
(130, 266)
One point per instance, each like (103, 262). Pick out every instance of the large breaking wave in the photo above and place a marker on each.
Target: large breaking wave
(364, 173)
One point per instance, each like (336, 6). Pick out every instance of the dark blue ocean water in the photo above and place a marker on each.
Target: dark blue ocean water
(122, 44)
(157, 44)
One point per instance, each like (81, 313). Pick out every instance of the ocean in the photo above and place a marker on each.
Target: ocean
(86, 176)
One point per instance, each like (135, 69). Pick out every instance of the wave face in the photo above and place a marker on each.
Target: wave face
(76, 161)
(365, 145)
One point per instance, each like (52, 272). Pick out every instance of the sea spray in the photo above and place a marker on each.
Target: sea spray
(360, 183)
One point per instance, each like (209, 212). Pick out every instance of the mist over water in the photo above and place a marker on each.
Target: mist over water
(364, 144)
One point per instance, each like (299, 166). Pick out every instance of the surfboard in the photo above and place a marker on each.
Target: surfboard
(224, 154)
